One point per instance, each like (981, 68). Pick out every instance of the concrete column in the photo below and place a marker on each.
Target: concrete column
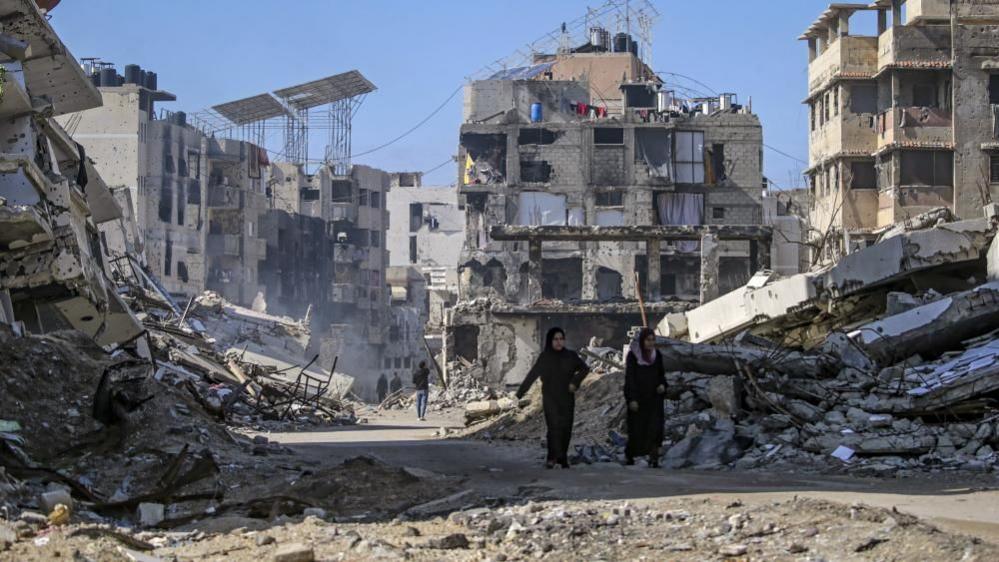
(589, 292)
(896, 91)
(896, 13)
(709, 268)
(821, 43)
(763, 255)
(844, 23)
(812, 49)
(654, 291)
(882, 21)
(534, 272)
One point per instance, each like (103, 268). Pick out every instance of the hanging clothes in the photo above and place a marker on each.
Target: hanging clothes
(681, 209)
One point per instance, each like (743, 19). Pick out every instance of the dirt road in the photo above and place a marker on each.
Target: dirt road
(959, 504)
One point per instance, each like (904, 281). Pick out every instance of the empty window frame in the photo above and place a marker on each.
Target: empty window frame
(863, 175)
(927, 167)
(342, 191)
(609, 199)
(864, 98)
(536, 135)
(375, 238)
(994, 89)
(415, 216)
(310, 195)
(362, 197)
(835, 96)
(689, 156)
(718, 212)
(924, 95)
(375, 199)
(412, 249)
(994, 168)
(608, 135)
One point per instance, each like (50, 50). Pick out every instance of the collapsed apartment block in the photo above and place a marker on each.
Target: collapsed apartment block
(901, 122)
(427, 234)
(54, 267)
(567, 195)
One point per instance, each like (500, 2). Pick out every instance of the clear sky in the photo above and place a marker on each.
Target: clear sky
(417, 53)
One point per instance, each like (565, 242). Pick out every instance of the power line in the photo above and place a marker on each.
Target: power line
(414, 127)
(449, 160)
(782, 153)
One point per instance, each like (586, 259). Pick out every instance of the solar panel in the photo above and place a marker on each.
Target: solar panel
(326, 90)
(251, 109)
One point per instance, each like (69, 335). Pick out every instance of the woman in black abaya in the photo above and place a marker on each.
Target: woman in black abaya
(644, 391)
(561, 371)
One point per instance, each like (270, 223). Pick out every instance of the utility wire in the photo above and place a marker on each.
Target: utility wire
(782, 153)
(439, 166)
(414, 127)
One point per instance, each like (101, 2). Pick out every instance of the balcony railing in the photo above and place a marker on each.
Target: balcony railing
(916, 125)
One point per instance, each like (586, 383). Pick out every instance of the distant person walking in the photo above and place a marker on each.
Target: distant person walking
(396, 384)
(644, 391)
(561, 371)
(382, 388)
(421, 380)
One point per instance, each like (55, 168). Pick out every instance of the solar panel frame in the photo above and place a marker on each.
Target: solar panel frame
(326, 90)
(252, 109)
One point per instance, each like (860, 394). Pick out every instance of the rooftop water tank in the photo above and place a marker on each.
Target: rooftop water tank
(150, 80)
(133, 74)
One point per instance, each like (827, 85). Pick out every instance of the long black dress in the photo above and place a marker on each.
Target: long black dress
(645, 427)
(557, 369)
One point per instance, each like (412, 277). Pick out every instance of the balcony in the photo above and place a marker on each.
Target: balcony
(344, 293)
(847, 57)
(346, 254)
(343, 212)
(223, 245)
(925, 127)
(223, 197)
(844, 134)
(924, 47)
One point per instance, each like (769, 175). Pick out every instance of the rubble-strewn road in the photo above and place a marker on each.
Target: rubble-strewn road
(962, 504)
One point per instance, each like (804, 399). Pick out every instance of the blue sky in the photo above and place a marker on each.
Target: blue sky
(211, 51)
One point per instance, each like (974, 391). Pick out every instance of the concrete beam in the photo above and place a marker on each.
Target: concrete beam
(631, 233)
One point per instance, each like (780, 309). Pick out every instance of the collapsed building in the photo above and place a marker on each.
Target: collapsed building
(55, 271)
(901, 122)
(216, 214)
(567, 193)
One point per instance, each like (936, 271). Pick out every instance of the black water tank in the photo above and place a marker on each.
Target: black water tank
(621, 42)
(133, 74)
(142, 78)
(151, 80)
(109, 77)
(633, 47)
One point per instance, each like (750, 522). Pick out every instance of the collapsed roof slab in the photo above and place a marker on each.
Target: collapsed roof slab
(49, 68)
(904, 254)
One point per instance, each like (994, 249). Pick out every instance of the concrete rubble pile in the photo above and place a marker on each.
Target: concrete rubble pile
(885, 362)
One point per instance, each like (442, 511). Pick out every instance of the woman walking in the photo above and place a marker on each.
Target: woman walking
(644, 391)
(561, 371)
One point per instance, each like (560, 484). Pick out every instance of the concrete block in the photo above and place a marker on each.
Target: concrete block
(294, 552)
(150, 514)
(48, 500)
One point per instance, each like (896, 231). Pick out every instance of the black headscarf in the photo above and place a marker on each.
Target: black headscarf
(550, 336)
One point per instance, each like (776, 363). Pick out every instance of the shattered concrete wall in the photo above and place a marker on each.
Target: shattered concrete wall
(53, 263)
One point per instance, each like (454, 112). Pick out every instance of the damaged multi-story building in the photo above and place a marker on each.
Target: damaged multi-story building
(197, 198)
(54, 268)
(215, 213)
(901, 122)
(573, 172)
(426, 235)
